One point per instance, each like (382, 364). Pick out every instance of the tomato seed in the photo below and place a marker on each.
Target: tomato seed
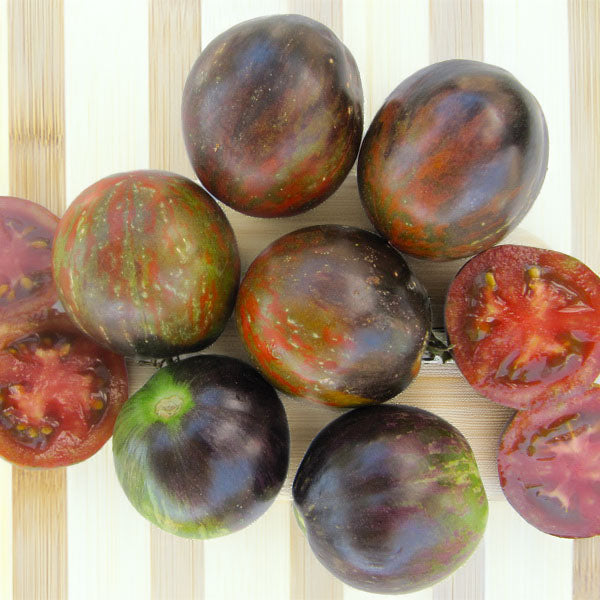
(32, 432)
(46, 430)
(40, 243)
(26, 283)
(490, 280)
(98, 404)
(3, 289)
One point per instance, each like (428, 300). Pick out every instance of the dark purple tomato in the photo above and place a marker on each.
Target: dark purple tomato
(335, 315)
(272, 115)
(390, 498)
(203, 448)
(453, 160)
(524, 324)
(147, 264)
(26, 232)
(549, 465)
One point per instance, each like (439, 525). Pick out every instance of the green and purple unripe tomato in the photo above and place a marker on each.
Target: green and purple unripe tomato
(335, 315)
(147, 264)
(390, 498)
(273, 115)
(202, 449)
(453, 160)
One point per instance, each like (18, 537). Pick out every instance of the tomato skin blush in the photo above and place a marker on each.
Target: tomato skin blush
(524, 324)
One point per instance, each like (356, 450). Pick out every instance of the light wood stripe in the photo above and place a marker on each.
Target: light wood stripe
(106, 90)
(37, 172)
(6, 554)
(456, 29)
(328, 12)
(174, 44)
(584, 40)
(514, 43)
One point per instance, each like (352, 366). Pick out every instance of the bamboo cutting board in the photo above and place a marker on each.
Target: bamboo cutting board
(89, 88)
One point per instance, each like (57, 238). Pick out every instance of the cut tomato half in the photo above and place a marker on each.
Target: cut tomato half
(549, 465)
(60, 392)
(524, 324)
(26, 233)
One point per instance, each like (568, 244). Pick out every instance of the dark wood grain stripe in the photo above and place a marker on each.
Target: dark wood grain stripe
(584, 58)
(177, 565)
(37, 172)
(456, 29)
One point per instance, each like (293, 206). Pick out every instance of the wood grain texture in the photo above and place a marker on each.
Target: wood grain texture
(6, 518)
(177, 565)
(456, 29)
(37, 171)
(328, 12)
(584, 60)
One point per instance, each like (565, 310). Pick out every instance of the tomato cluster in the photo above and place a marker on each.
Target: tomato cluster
(146, 264)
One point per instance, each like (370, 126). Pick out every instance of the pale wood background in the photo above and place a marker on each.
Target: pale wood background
(89, 88)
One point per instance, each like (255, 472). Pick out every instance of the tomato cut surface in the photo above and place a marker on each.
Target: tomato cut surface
(525, 324)
(549, 465)
(26, 232)
(60, 392)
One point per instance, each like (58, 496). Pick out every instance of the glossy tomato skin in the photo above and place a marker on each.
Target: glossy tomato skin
(548, 465)
(453, 160)
(524, 324)
(335, 315)
(203, 448)
(273, 115)
(60, 392)
(390, 498)
(147, 264)
(26, 232)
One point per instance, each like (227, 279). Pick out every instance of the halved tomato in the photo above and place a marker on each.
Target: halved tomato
(60, 392)
(525, 324)
(26, 232)
(549, 465)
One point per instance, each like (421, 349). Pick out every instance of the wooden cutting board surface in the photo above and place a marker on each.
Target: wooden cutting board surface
(89, 88)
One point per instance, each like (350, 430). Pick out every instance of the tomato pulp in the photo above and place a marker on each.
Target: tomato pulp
(26, 232)
(548, 464)
(525, 324)
(60, 393)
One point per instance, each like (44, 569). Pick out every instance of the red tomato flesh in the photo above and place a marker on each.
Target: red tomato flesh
(26, 232)
(60, 392)
(549, 465)
(525, 324)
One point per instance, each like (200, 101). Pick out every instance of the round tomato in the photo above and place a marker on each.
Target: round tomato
(26, 232)
(524, 324)
(453, 160)
(146, 263)
(334, 314)
(60, 392)
(548, 462)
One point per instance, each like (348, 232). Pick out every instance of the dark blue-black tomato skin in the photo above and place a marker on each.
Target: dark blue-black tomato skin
(216, 458)
(390, 498)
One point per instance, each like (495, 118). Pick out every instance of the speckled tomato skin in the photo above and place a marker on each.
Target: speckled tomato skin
(335, 315)
(272, 115)
(147, 264)
(548, 464)
(390, 498)
(453, 160)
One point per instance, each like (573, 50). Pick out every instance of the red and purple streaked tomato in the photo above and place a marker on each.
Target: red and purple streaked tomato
(147, 264)
(390, 498)
(202, 449)
(60, 392)
(273, 115)
(335, 315)
(524, 324)
(549, 461)
(453, 160)
(26, 232)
